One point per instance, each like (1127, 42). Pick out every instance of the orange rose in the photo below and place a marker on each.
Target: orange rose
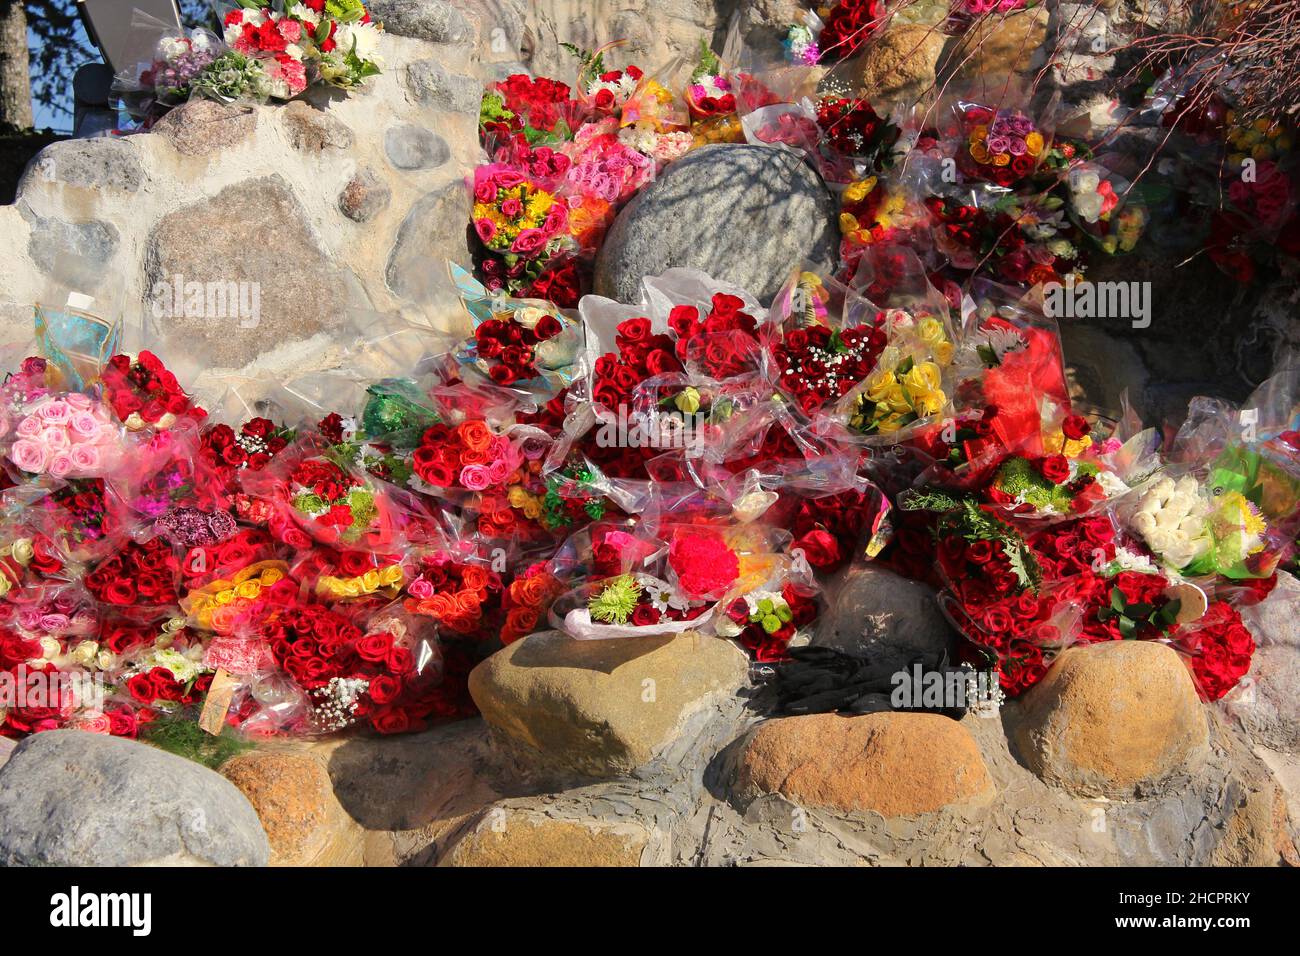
(474, 435)
(474, 578)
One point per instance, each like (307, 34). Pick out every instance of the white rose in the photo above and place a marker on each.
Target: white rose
(1145, 523)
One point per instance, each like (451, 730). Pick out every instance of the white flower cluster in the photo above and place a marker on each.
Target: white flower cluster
(1085, 198)
(1172, 518)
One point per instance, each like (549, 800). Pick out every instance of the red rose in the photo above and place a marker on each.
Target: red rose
(820, 548)
(1075, 427)
(1055, 468)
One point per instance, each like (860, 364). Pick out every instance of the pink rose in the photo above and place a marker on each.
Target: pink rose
(30, 427)
(420, 589)
(55, 412)
(499, 471)
(60, 465)
(56, 439)
(29, 456)
(78, 402)
(85, 424)
(475, 477)
(486, 229)
(528, 242)
(512, 208)
(85, 458)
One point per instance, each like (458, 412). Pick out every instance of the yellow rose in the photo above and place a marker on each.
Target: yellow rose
(860, 190)
(249, 590)
(1034, 143)
(532, 510)
(922, 377)
(943, 353)
(1002, 159)
(879, 384)
(931, 331)
(22, 551)
(5, 584)
(979, 153)
(848, 224)
(979, 134)
(370, 580)
(224, 597)
(270, 576)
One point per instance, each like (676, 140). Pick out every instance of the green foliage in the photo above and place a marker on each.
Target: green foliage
(616, 602)
(180, 734)
(1135, 618)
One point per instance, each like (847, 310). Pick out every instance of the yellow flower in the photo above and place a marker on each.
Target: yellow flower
(22, 551)
(879, 384)
(1034, 143)
(848, 224)
(249, 589)
(391, 575)
(516, 496)
(270, 576)
(1001, 159)
(860, 190)
(5, 584)
(931, 331)
(979, 153)
(943, 353)
(688, 401)
(922, 377)
(224, 597)
(532, 509)
(979, 134)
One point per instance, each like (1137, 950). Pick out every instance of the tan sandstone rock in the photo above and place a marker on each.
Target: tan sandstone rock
(998, 46)
(898, 67)
(1111, 718)
(895, 764)
(295, 801)
(513, 837)
(603, 708)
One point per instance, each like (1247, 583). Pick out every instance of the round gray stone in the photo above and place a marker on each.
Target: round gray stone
(414, 147)
(743, 214)
(432, 20)
(100, 163)
(433, 85)
(70, 798)
(884, 619)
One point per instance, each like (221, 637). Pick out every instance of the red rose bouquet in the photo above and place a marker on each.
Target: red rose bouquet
(144, 394)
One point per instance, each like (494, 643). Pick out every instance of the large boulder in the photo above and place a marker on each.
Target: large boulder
(603, 708)
(886, 620)
(744, 214)
(294, 798)
(71, 798)
(898, 66)
(998, 46)
(894, 764)
(289, 297)
(519, 836)
(1113, 720)
(201, 126)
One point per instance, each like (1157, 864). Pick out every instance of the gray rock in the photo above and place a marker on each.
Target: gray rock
(313, 129)
(1265, 703)
(100, 163)
(74, 253)
(364, 196)
(887, 620)
(431, 20)
(202, 126)
(432, 85)
(70, 798)
(414, 147)
(743, 214)
(282, 298)
(432, 232)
